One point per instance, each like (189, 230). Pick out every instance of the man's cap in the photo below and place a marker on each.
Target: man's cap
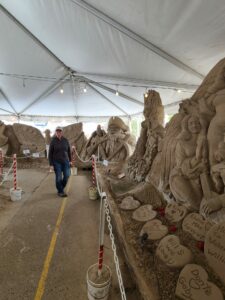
(59, 128)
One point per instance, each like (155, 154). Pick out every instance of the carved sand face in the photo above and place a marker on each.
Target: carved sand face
(99, 130)
(194, 125)
(113, 129)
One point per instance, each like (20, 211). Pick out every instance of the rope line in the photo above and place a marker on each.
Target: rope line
(83, 161)
(108, 218)
(5, 176)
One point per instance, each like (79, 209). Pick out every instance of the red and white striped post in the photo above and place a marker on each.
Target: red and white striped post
(93, 171)
(14, 172)
(1, 162)
(73, 156)
(101, 233)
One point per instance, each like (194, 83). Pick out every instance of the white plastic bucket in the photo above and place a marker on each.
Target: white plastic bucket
(98, 291)
(93, 193)
(73, 171)
(15, 194)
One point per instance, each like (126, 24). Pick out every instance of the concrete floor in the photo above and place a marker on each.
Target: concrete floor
(25, 234)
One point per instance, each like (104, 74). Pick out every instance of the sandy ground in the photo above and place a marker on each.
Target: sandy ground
(26, 229)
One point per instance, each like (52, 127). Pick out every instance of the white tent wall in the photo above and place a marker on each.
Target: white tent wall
(104, 45)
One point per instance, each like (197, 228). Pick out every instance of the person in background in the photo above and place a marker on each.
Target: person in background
(60, 160)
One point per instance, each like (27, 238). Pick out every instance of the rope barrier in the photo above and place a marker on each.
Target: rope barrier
(73, 156)
(83, 161)
(5, 176)
(104, 210)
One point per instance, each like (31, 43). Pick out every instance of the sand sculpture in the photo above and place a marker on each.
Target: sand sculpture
(29, 138)
(94, 144)
(18, 137)
(149, 141)
(186, 160)
(180, 172)
(75, 135)
(47, 136)
(115, 145)
(3, 137)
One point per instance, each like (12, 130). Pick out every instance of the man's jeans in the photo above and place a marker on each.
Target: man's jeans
(61, 169)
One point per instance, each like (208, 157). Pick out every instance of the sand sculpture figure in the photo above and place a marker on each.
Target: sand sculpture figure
(47, 136)
(187, 162)
(18, 137)
(75, 135)
(191, 159)
(119, 142)
(3, 137)
(29, 138)
(151, 134)
(94, 144)
(160, 172)
(115, 145)
(196, 168)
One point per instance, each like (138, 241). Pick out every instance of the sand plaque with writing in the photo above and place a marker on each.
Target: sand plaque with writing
(154, 229)
(172, 253)
(129, 203)
(175, 212)
(193, 284)
(196, 225)
(215, 249)
(144, 213)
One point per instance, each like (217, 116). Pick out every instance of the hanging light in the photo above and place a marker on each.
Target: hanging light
(146, 93)
(117, 91)
(85, 88)
(61, 90)
(179, 91)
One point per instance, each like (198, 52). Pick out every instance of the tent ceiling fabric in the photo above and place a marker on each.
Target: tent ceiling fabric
(108, 42)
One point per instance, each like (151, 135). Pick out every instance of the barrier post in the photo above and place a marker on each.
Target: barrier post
(14, 172)
(74, 169)
(1, 162)
(73, 156)
(98, 154)
(101, 233)
(93, 171)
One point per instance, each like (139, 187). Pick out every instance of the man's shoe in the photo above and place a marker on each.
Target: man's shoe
(63, 195)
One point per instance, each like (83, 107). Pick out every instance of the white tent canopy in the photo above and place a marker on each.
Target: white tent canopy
(104, 46)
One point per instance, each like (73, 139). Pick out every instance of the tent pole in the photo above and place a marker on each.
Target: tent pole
(46, 93)
(139, 39)
(107, 99)
(27, 31)
(7, 100)
(144, 82)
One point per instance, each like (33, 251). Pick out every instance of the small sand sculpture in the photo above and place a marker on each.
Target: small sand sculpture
(115, 145)
(19, 137)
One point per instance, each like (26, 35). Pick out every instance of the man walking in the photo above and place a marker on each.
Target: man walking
(60, 160)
